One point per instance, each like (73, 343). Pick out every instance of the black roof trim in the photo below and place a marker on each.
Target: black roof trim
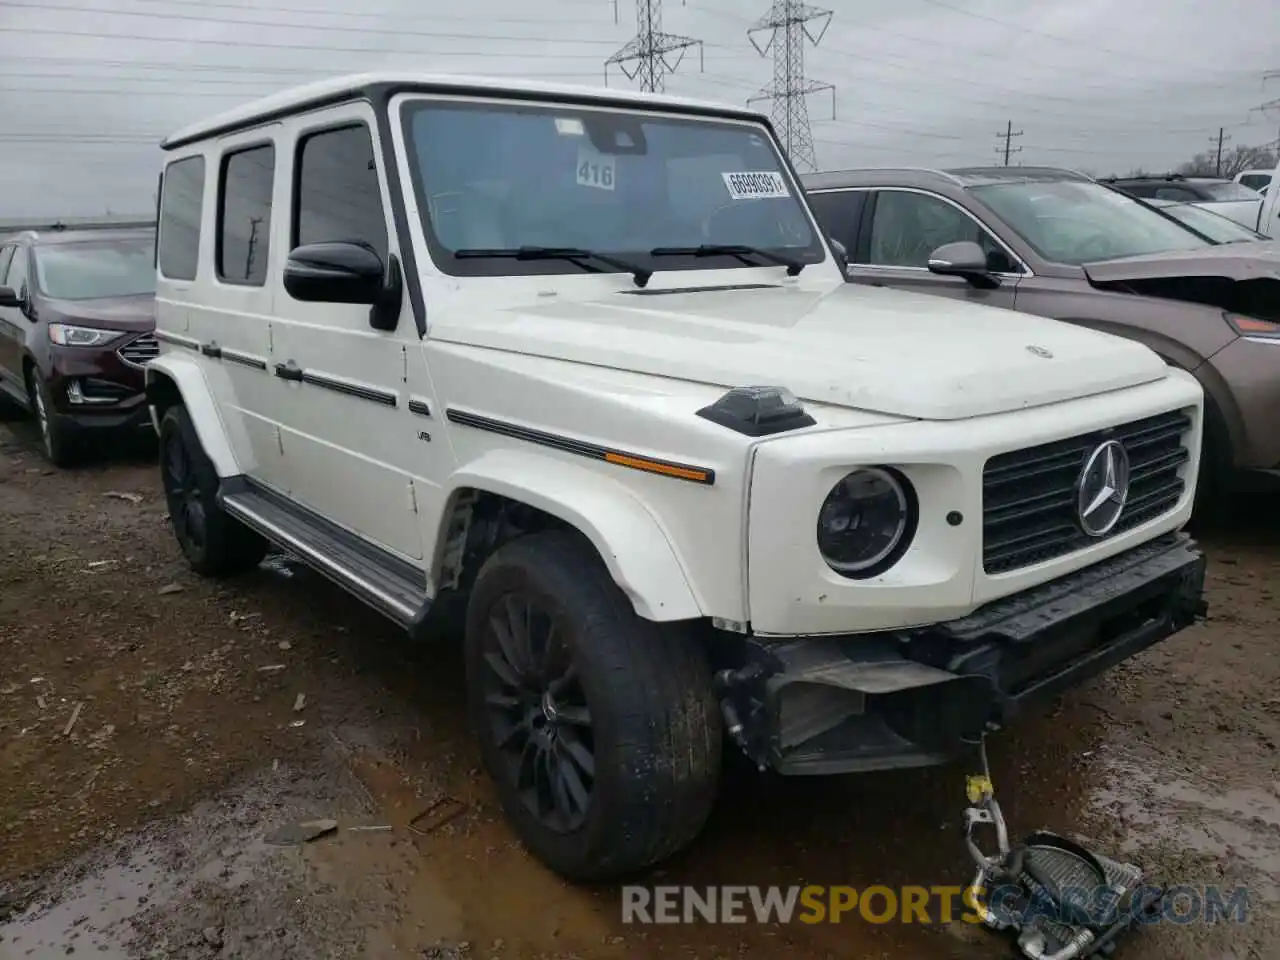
(381, 91)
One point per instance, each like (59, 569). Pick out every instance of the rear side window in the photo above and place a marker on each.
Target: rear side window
(181, 202)
(244, 215)
(337, 196)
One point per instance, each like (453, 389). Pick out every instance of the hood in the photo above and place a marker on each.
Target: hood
(880, 350)
(134, 314)
(1231, 261)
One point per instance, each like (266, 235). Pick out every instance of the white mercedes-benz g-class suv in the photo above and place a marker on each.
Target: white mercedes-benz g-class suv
(579, 365)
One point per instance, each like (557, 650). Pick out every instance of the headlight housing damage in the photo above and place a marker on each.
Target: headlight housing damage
(867, 522)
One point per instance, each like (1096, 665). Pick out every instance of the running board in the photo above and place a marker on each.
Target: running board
(384, 581)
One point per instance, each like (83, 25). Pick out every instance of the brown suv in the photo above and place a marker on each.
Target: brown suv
(76, 326)
(1058, 244)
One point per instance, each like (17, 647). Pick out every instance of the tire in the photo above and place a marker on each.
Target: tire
(633, 696)
(214, 543)
(60, 445)
(1213, 483)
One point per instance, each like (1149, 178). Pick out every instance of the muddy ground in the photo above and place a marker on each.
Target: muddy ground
(154, 728)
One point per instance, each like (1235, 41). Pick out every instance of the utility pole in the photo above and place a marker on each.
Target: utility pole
(788, 23)
(1007, 137)
(645, 56)
(1221, 139)
(251, 246)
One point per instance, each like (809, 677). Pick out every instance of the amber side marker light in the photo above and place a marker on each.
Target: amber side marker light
(657, 466)
(1252, 326)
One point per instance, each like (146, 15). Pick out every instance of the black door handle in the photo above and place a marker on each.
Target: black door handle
(289, 371)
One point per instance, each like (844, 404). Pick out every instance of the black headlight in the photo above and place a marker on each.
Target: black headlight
(866, 522)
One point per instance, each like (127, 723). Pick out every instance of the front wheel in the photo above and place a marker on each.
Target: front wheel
(599, 728)
(215, 543)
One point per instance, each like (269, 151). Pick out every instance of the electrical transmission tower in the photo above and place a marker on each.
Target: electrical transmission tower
(646, 55)
(1007, 137)
(789, 25)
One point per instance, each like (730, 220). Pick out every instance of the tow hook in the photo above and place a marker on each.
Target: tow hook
(1062, 901)
(726, 681)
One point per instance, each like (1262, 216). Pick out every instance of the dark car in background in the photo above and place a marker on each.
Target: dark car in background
(1058, 244)
(76, 327)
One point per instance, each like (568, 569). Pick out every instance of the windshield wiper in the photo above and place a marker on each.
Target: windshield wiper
(576, 255)
(741, 251)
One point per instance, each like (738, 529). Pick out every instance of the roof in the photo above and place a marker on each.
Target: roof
(108, 222)
(361, 86)
(959, 177)
(95, 235)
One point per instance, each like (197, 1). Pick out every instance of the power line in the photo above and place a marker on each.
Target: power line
(645, 55)
(788, 24)
(322, 48)
(282, 25)
(1091, 44)
(1007, 137)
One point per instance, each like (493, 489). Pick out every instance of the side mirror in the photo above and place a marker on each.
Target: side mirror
(346, 272)
(9, 297)
(963, 258)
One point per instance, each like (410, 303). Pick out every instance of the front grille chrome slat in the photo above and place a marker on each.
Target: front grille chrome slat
(139, 350)
(1029, 496)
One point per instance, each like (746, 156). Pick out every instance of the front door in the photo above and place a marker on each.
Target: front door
(347, 427)
(905, 227)
(13, 321)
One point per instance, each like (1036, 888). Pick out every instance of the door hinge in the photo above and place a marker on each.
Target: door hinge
(279, 440)
(404, 364)
(271, 339)
(413, 498)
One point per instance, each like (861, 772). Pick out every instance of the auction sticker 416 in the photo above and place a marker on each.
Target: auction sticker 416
(758, 185)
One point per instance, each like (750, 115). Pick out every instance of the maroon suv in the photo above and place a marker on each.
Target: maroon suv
(76, 327)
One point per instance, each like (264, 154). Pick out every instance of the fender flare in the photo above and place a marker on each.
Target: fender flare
(636, 550)
(193, 389)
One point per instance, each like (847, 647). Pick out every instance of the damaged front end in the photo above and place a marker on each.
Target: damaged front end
(840, 704)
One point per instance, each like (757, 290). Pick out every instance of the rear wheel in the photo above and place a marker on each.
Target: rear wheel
(215, 543)
(599, 728)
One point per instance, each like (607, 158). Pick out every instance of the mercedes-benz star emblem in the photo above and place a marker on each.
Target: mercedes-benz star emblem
(1103, 489)
(1039, 351)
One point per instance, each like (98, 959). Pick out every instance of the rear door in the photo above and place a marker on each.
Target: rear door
(901, 227)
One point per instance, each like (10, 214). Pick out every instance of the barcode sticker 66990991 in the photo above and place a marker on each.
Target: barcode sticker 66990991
(758, 185)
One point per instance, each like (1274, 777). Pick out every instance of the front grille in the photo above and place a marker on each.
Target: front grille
(139, 350)
(1029, 496)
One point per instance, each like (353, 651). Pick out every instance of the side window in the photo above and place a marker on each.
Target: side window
(6, 255)
(907, 227)
(336, 194)
(17, 278)
(244, 215)
(181, 202)
(838, 213)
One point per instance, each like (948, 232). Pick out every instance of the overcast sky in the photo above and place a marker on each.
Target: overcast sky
(87, 87)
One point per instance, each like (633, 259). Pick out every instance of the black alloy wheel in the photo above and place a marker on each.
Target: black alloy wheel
(537, 711)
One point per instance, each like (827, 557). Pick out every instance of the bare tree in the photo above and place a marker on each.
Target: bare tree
(1233, 161)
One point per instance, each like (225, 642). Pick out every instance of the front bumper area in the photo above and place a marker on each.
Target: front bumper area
(827, 705)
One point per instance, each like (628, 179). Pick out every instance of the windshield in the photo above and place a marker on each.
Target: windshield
(499, 177)
(1229, 191)
(86, 271)
(1078, 222)
(1217, 228)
